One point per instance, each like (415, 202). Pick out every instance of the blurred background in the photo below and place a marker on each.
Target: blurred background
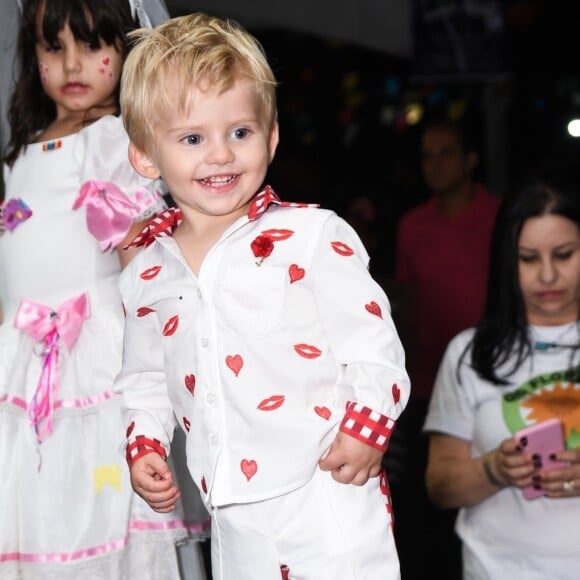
(357, 78)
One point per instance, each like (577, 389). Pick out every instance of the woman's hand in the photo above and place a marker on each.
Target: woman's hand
(510, 465)
(562, 481)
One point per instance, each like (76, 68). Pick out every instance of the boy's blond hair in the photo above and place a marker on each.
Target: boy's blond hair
(196, 49)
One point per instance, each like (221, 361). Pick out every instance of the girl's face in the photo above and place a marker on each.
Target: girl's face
(77, 76)
(549, 269)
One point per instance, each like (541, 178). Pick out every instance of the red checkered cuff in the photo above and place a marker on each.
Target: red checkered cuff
(141, 446)
(367, 426)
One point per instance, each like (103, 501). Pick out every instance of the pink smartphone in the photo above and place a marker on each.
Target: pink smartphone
(541, 440)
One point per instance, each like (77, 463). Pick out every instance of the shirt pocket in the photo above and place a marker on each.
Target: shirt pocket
(252, 299)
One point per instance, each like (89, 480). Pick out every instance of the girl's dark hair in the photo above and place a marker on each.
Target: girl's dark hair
(90, 21)
(503, 330)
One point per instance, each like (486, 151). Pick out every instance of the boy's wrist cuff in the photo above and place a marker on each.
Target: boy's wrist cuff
(367, 426)
(141, 446)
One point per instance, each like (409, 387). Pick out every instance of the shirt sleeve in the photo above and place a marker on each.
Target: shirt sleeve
(362, 336)
(452, 406)
(146, 409)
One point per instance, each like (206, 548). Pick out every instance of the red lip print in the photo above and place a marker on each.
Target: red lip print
(144, 311)
(249, 468)
(190, 383)
(272, 403)
(374, 308)
(307, 350)
(235, 363)
(396, 393)
(278, 235)
(323, 412)
(342, 249)
(203, 485)
(150, 273)
(171, 326)
(186, 424)
(296, 273)
(106, 60)
(130, 429)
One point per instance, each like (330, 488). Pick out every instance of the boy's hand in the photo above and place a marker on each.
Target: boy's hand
(351, 461)
(151, 478)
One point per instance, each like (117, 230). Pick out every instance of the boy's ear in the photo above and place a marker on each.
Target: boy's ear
(142, 163)
(273, 140)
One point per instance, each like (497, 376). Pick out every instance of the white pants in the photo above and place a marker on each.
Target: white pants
(322, 531)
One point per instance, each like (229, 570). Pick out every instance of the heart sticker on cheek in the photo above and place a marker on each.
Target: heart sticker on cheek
(106, 60)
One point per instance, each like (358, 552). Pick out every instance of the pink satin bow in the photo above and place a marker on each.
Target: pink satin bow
(49, 327)
(110, 213)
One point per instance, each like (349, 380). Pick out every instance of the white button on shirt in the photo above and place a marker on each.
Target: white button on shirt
(297, 328)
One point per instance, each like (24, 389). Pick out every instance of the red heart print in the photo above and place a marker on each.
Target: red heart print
(186, 423)
(106, 60)
(323, 412)
(203, 485)
(374, 308)
(396, 393)
(235, 363)
(296, 273)
(249, 468)
(190, 383)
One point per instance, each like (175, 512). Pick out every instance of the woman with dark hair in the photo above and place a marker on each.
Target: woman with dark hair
(519, 367)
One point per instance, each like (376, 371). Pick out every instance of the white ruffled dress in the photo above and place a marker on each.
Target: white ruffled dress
(67, 510)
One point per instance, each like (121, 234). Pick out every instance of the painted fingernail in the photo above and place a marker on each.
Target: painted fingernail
(536, 457)
(537, 486)
(552, 456)
(537, 478)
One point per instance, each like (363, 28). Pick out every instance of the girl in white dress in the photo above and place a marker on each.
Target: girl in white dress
(67, 510)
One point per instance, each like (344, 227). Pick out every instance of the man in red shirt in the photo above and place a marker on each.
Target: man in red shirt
(441, 276)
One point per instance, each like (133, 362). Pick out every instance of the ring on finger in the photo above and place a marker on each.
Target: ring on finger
(569, 485)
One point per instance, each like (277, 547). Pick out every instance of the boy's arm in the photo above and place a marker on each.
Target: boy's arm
(146, 409)
(362, 337)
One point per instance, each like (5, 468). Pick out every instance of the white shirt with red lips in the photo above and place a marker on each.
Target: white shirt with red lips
(281, 340)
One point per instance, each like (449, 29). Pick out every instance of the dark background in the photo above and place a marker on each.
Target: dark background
(355, 87)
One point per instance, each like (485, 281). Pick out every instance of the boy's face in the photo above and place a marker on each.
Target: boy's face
(213, 156)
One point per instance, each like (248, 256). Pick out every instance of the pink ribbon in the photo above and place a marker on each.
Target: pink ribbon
(49, 326)
(110, 213)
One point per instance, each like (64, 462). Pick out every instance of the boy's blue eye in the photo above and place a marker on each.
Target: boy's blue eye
(241, 133)
(192, 139)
